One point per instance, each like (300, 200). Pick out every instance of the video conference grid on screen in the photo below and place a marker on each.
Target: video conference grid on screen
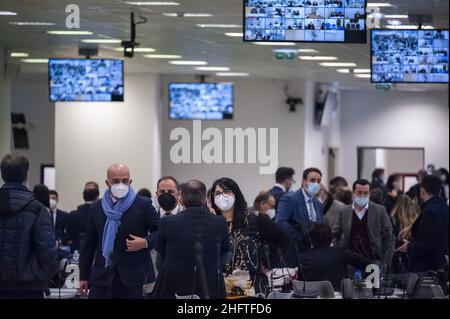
(416, 56)
(305, 20)
(86, 80)
(201, 101)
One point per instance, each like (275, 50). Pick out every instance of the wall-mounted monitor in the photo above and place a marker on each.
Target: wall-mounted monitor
(86, 80)
(305, 21)
(201, 101)
(409, 56)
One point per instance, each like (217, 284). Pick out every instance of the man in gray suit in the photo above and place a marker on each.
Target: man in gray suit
(365, 228)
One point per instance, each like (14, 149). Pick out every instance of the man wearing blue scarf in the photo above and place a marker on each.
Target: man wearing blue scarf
(115, 255)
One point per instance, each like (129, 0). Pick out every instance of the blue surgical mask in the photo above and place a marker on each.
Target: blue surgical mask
(361, 201)
(313, 189)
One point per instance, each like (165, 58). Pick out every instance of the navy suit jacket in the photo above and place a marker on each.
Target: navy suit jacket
(134, 268)
(277, 192)
(292, 214)
(62, 220)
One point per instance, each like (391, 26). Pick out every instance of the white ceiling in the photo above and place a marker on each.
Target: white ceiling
(110, 18)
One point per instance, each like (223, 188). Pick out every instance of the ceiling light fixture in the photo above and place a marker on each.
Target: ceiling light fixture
(223, 26)
(396, 16)
(153, 3)
(19, 55)
(234, 34)
(307, 51)
(318, 58)
(34, 60)
(142, 50)
(187, 15)
(232, 74)
(275, 43)
(67, 32)
(188, 62)
(378, 5)
(359, 71)
(28, 23)
(344, 71)
(363, 76)
(102, 41)
(212, 68)
(8, 13)
(162, 56)
(338, 64)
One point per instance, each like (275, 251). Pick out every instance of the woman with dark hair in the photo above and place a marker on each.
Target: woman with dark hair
(393, 189)
(42, 195)
(249, 232)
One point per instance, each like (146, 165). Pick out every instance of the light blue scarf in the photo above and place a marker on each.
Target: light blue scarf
(113, 213)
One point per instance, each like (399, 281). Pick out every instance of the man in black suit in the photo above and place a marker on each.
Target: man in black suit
(59, 218)
(325, 263)
(429, 233)
(187, 240)
(79, 217)
(284, 177)
(121, 231)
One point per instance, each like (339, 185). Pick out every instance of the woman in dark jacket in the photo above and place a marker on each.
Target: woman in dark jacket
(248, 231)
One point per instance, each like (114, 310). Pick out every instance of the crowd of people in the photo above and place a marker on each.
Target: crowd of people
(196, 238)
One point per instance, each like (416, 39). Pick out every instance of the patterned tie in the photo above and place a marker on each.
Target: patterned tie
(311, 211)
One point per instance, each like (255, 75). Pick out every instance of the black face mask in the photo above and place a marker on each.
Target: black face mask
(90, 194)
(167, 201)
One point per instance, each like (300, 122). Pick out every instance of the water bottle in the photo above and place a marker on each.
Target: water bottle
(358, 276)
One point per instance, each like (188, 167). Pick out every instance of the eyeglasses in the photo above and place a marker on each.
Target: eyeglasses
(225, 192)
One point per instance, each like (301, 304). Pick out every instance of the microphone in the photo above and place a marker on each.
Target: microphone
(304, 293)
(266, 250)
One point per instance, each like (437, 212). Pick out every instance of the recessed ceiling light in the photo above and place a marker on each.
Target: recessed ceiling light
(153, 3)
(394, 22)
(8, 13)
(34, 60)
(338, 64)
(378, 5)
(19, 55)
(136, 49)
(307, 51)
(223, 26)
(235, 74)
(212, 68)
(346, 71)
(234, 34)
(69, 32)
(396, 16)
(358, 71)
(363, 76)
(275, 43)
(100, 41)
(318, 58)
(187, 15)
(188, 62)
(162, 56)
(28, 23)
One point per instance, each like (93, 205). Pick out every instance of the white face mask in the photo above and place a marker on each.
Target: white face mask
(271, 213)
(120, 190)
(224, 202)
(53, 204)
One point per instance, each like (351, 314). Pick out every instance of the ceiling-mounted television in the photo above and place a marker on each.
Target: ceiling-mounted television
(86, 80)
(201, 101)
(305, 21)
(409, 56)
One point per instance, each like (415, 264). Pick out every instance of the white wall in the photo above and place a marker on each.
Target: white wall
(91, 136)
(5, 109)
(394, 119)
(30, 96)
(258, 104)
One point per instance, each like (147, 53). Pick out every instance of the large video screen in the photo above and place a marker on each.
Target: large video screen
(410, 56)
(88, 80)
(305, 21)
(201, 101)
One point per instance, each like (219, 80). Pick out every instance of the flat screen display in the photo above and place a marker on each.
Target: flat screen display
(410, 56)
(88, 80)
(305, 21)
(201, 101)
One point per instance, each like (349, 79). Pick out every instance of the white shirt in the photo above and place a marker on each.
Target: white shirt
(280, 186)
(311, 209)
(174, 211)
(361, 213)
